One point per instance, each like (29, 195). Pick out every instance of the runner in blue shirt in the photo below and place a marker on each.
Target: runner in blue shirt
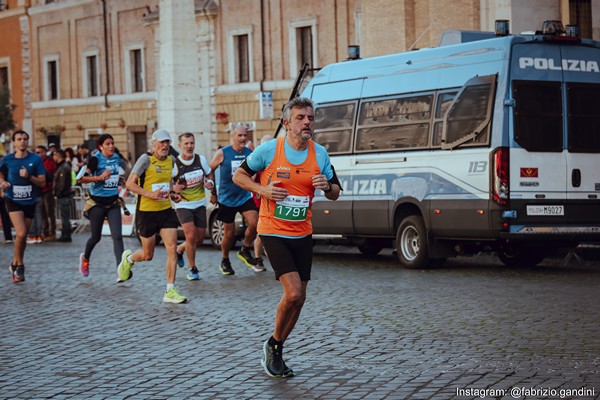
(233, 199)
(103, 172)
(19, 172)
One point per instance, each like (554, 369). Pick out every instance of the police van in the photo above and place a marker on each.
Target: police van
(488, 143)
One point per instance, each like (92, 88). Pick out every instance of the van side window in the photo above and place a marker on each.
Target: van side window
(538, 115)
(583, 103)
(392, 124)
(442, 104)
(333, 127)
(468, 121)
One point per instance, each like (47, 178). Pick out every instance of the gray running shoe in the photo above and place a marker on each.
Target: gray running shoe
(272, 361)
(18, 273)
(259, 267)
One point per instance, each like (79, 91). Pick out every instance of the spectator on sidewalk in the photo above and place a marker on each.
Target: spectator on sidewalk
(49, 204)
(64, 194)
(6, 224)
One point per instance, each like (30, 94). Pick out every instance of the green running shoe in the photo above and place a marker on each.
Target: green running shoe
(173, 296)
(124, 270)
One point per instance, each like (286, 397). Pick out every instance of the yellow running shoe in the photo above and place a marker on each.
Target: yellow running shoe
(124, 270)
(173, 296)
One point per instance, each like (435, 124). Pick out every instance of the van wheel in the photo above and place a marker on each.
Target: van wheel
(370, 247)
(217, 231)
(513, 255)
(411, 242)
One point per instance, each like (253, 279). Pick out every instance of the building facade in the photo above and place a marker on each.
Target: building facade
(14, 54)
(78, 68)
(93, 72)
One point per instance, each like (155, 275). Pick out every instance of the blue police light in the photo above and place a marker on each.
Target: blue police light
(573, 31)
(502, 27)
(353, 52)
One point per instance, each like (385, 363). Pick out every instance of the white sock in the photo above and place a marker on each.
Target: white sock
(129, 259)
(169, 286)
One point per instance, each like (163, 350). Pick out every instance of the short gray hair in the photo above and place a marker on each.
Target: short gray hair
(236, 126)
(296, 102)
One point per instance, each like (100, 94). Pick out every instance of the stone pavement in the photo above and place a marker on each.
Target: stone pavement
(369, 329)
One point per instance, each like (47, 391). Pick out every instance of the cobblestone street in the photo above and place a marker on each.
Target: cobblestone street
(369, 329)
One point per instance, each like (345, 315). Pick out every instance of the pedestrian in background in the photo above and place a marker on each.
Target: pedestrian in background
(150, 179)
(292, 168)
(102, 172)
(233, 199)
(19, 173)
(49, 204)
(6, 224)
(35, 231)
(64, 194)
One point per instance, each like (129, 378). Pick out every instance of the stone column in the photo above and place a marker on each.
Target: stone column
(180, 105)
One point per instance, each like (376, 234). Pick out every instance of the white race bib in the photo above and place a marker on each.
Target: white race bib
(235, 164)
(163, 187)
(194, 178)
(22, 192)
(292, 208)
(112, 182)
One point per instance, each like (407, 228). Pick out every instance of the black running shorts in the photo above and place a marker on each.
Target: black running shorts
(227, 214)
(149, 223)
(195, 215)
(13, 206)
(289, 255)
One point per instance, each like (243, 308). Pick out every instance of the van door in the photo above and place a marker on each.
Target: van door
(538, 163)
(582, 81)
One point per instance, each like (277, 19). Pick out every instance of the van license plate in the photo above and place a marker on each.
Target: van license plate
(546, 210)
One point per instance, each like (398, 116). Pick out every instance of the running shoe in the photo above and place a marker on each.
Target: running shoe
(31, 240)
(124, 270)
(84, 265)
(39, 239)
(180, 261)
(272, 361)
(225, 267)
(259, 267)
(173, 296)
(18, 272)
(193, 275)
(245, 256)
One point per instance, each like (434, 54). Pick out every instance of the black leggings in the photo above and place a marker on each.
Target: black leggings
(97, 215)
